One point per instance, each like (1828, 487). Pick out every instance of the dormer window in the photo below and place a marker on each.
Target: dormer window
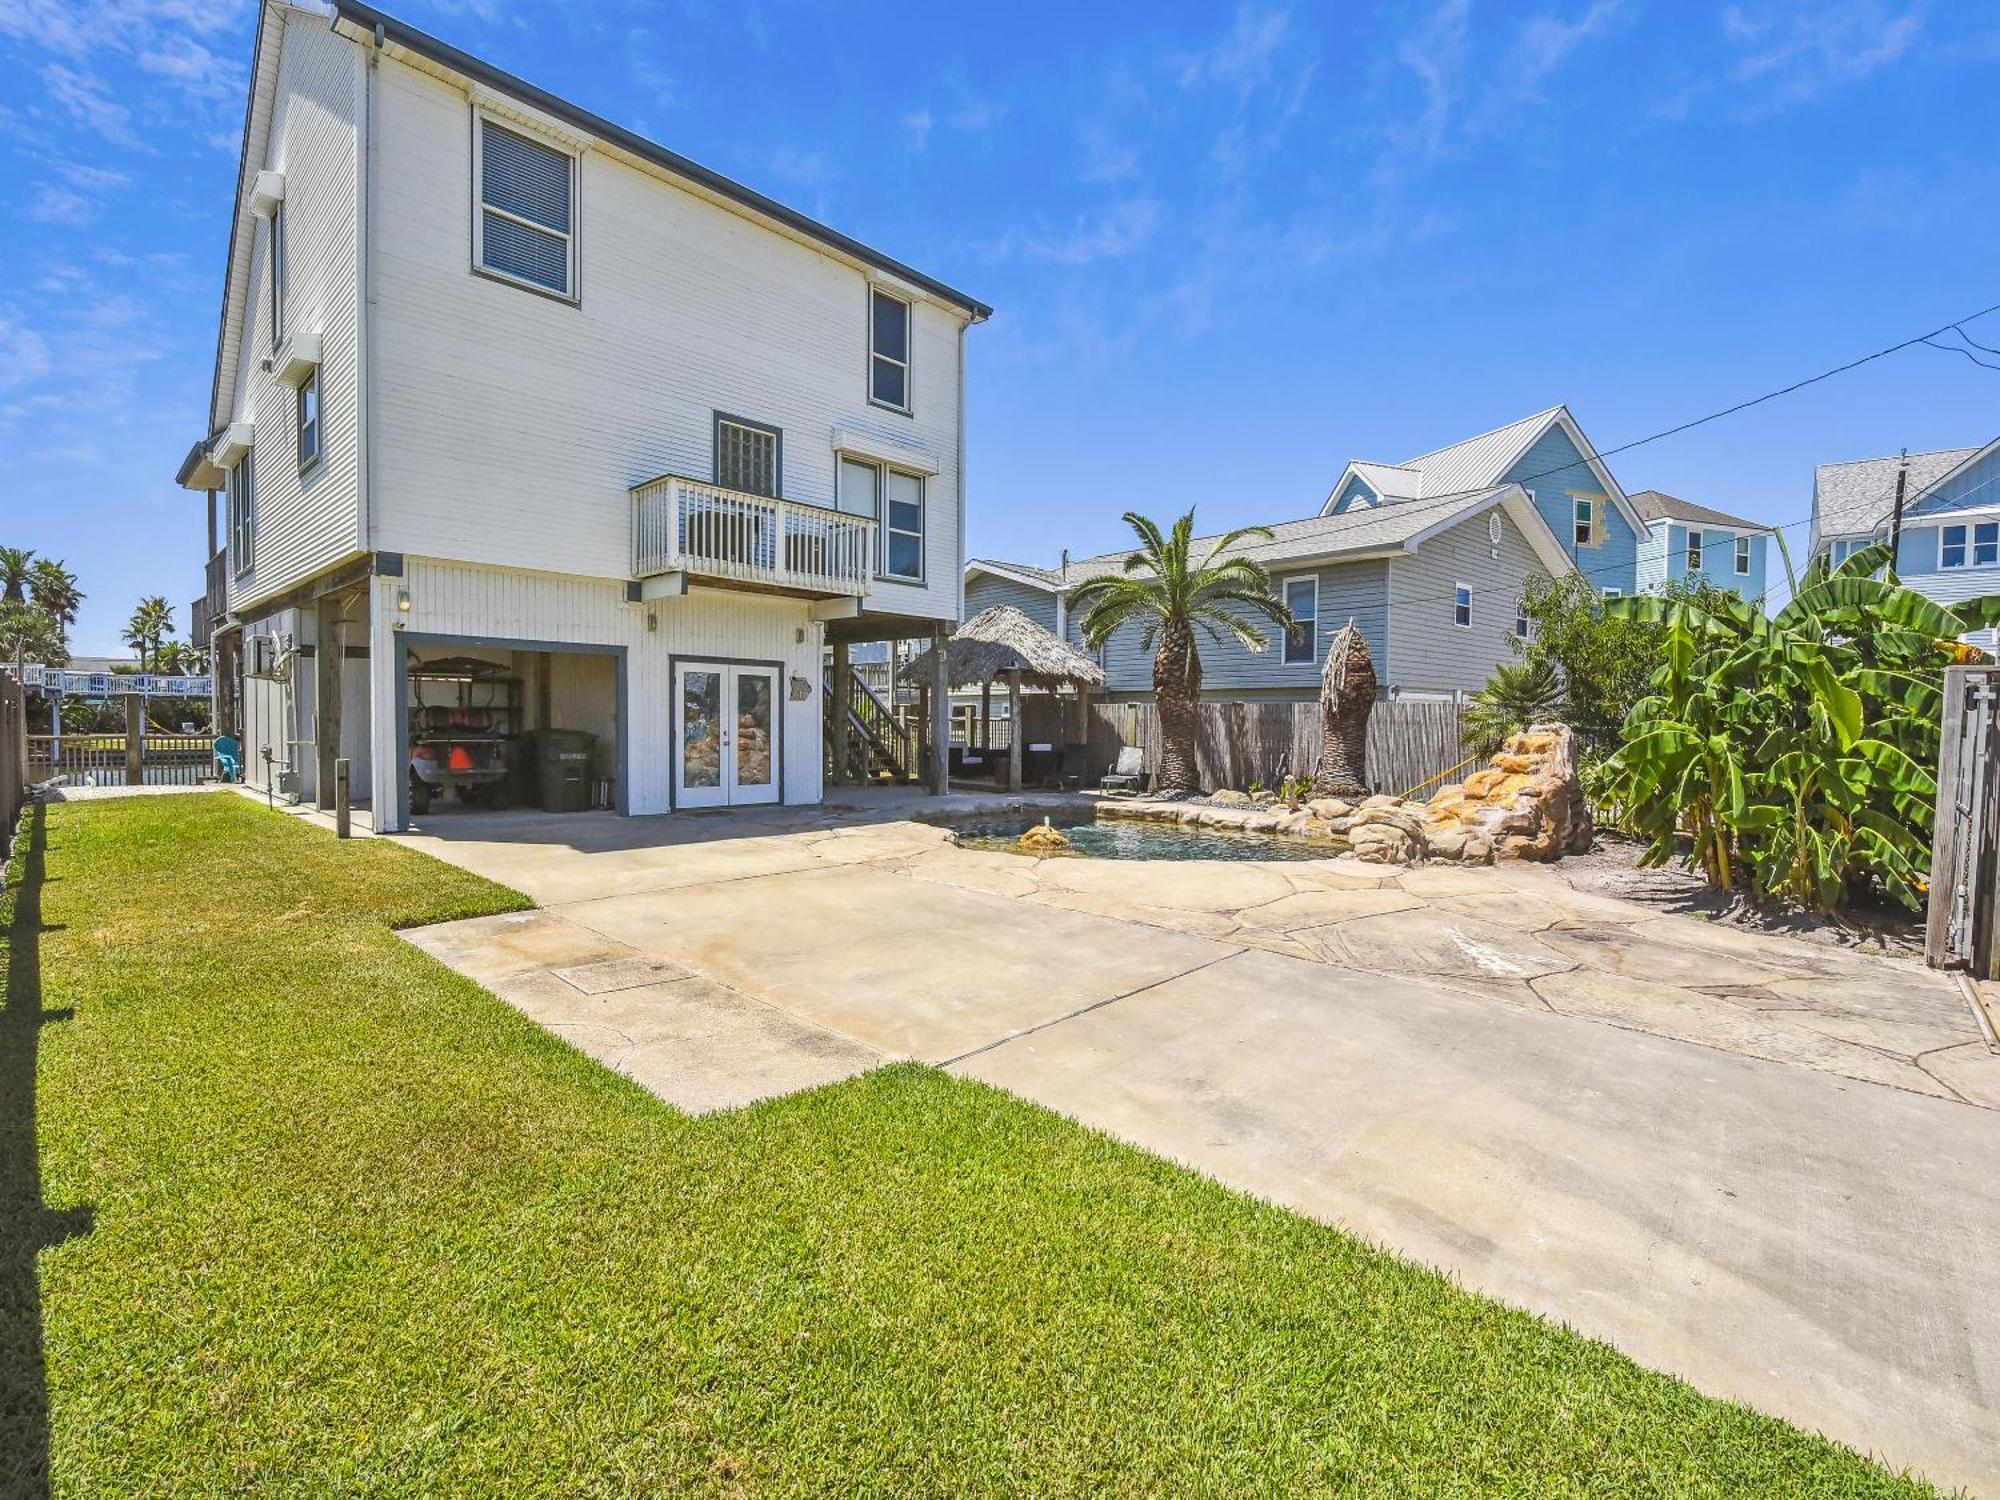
(527, 210)
(888, 350)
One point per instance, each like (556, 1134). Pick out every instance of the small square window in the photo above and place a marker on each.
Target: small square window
(308, 415)
(888, 350)
(1743, 557)
(1951, 547)
(1461, 606)
(1986, 544)
(748, 456)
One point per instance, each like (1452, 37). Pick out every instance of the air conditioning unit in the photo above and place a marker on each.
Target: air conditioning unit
(267, 654)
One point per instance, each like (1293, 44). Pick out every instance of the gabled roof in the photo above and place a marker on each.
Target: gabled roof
(1852, 499)
(1656, 505)
(1049, 579)
(1373, 531)
(1390, 481)
(1477, 463)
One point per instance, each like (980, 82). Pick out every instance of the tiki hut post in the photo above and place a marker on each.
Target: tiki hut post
(843, 705)
(986, 716)
(1014, 739)
(940, 713)
(1346, 698)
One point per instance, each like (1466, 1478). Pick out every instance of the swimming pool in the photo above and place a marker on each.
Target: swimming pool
(1121, 838)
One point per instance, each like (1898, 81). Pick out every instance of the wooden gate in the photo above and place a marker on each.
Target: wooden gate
(1960, 923)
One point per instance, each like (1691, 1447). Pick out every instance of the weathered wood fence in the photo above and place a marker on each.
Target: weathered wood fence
(13, 756)
(1962, 921)
(1409, 742)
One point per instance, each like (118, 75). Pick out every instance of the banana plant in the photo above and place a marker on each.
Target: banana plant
(1792, 752)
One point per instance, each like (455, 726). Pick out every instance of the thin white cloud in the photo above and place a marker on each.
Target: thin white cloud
(1119, 231)
(1104, 159)
(1797, 51)
(55, 205)
(87, 99)
(917, 127)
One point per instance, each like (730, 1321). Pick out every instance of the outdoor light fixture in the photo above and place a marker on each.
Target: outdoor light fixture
(402, 601)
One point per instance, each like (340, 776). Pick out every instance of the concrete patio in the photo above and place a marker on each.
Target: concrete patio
(1761, 1163)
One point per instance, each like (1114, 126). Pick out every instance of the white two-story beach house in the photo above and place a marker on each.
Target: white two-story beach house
(521, 422)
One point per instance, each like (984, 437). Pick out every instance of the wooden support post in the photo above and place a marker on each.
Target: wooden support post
(940, 714)
(329, 664)
(343, 807)
(1083, 728)
(1014, 739)
(986, 717)
(1949, 832)
(843, 706)
(135, 739)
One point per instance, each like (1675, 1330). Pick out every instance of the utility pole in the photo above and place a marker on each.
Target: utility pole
(1896, 516)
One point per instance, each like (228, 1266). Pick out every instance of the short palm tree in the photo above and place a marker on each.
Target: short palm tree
(1163, 588)
(151, 623)
(15, 565)
(1518, 694)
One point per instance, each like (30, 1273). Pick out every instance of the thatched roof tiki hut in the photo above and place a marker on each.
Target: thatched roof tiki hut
(1002, 644)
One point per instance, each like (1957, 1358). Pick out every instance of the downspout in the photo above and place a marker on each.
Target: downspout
(364, 240)
(958, 607)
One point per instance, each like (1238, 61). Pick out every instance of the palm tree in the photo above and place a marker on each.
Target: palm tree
(53, 589)
(15, 565)
(26, 631)
(1517, 695)
(1164, 587)
(151, 623)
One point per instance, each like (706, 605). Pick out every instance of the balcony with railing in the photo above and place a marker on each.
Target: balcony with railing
(207, 611)
(702, 530)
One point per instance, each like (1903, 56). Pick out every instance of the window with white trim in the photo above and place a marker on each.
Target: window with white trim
(1461, 605)
(241, 491)
(748, 456)
(1693, 551)
(902, 526)
(307, 405)
(1743, 557)
(1523, 626)
(1984, 551)
(1583, 515)
(277, 222)
(1302, 636)
(1609, 593)
(888, 350)
(527, 209)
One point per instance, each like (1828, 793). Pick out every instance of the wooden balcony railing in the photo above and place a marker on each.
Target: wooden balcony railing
(685, 526)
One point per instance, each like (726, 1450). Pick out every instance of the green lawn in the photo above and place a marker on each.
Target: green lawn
(315, 1216)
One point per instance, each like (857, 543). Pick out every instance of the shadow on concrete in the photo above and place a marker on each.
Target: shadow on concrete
(27, 1225)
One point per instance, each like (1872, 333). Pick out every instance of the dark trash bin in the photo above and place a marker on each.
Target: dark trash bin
(562, 769)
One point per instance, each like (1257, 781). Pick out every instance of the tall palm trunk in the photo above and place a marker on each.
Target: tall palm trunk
(1177, 690)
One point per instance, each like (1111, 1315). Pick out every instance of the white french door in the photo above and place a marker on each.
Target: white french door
(725, 734)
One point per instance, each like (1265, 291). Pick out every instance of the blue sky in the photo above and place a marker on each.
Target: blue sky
(1230, 247)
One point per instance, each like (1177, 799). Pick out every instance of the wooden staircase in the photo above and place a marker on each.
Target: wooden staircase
(879, 745)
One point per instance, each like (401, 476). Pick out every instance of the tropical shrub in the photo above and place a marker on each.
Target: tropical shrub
(1518, 694)
(1793, 752)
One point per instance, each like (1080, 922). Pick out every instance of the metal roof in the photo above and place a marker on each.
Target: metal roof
(1656, 505)
(1854, 498)
(447, 56)
(1479, 461)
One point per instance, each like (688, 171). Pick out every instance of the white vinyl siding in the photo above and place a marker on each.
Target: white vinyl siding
(888, 350)
(1302, 599)
(527, 209)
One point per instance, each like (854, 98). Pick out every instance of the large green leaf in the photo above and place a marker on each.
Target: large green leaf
(1844, 594)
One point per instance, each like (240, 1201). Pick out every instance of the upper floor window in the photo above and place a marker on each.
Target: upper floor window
(1584, 518)
(1985, 548)
(527, 209)
(1610, 593)
(1743, 557)
(308, 415)
(903, 526)
(748, 456)
(1523, 626)
(277, 275)
(242, 493)
(1302, 638)
(888, 350)
(1694, 552)
(1461, 605)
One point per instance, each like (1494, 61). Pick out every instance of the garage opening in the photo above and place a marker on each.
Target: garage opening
(493, 728)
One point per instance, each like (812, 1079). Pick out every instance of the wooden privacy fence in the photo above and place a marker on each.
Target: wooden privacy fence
(1962, 920)
(13, 757)
(1409, 742)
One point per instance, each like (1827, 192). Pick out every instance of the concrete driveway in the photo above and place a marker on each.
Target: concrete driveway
(1769, 1166)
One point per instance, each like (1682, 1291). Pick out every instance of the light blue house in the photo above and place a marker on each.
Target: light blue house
(1950, 544)
(1428, 557)
(1687, 543)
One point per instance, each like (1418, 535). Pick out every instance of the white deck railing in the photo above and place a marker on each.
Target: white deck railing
(685, 526)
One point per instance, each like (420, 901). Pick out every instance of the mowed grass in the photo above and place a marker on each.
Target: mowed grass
(318, 1217)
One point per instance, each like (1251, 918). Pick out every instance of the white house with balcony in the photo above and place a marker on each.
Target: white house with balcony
(521, 422)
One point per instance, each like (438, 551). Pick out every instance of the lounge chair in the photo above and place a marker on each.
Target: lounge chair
(228, 758)
(1069, 772)
(1129, 774)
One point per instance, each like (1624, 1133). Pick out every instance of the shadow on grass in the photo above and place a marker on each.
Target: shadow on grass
(27, 1225)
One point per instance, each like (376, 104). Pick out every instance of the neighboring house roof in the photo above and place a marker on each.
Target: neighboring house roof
(1049, 579)
(1854, 498)
(1478, 463)
(1373, 531)
(1656, 505)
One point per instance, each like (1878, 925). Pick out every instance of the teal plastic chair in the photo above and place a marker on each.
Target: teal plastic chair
(228, 757)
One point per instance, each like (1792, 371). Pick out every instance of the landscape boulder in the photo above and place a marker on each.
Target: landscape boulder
(1526, 803)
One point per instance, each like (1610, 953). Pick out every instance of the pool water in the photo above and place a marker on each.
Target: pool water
(1120, 838)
